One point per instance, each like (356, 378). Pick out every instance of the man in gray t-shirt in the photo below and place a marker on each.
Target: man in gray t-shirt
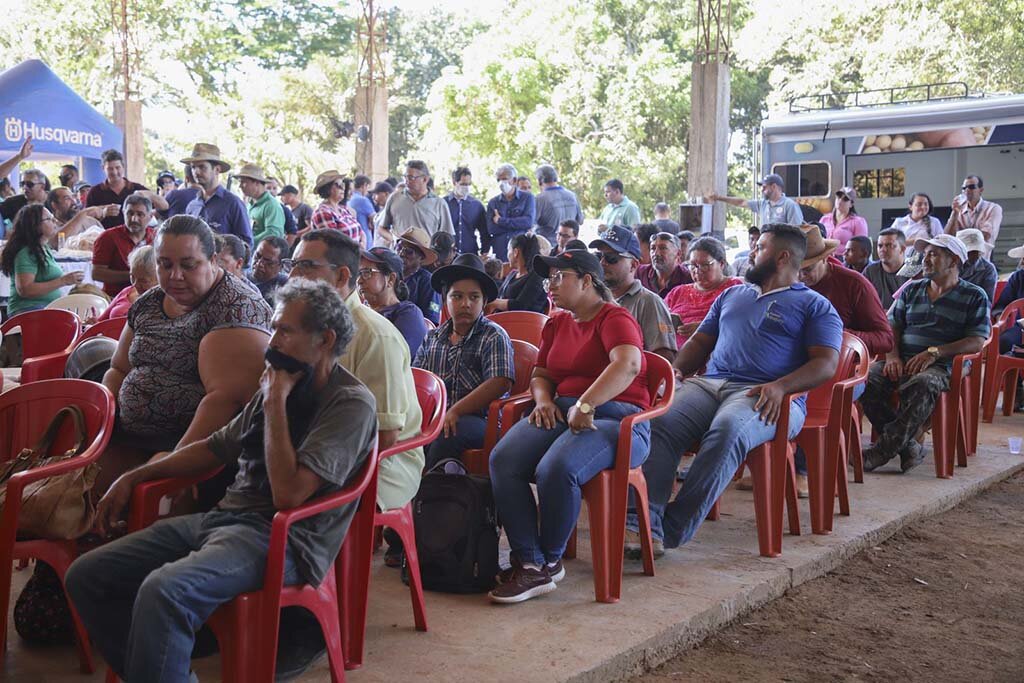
(304, 434)
(773, 207)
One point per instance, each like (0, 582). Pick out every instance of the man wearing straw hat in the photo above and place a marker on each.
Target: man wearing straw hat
(223, 211)
(266, 212)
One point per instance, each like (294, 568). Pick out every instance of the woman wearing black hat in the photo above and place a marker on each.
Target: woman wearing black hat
(590, 374)
(381, 287)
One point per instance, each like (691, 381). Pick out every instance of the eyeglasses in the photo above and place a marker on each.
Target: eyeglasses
(268, 261)
(556, 277)
(409, 251)
(305, 264)
(28, 184)
(702, 267)
(970, 186)
(410, 178)
(367, 273)
(610, 258)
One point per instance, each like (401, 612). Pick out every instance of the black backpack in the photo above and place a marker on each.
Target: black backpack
(456, 530)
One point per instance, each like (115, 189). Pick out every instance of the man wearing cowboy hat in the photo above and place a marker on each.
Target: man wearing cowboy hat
(485, 371)
(933, 320)
(978, 269)
(414, 249)
(266, 213)
(223, 211)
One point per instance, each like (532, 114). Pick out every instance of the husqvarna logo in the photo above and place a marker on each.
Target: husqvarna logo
(12, 129)
(16, 130)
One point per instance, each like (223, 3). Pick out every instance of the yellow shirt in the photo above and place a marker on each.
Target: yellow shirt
(379, 356)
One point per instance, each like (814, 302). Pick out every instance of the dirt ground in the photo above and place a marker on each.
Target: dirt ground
(943, 600)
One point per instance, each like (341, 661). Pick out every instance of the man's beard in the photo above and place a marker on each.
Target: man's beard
(662, 265)
(760, 273)
(69, 214)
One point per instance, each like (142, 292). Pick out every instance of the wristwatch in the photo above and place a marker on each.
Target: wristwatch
(584, 408)
(934, 351)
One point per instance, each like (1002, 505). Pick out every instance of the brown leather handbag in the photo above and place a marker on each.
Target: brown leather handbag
(57, 507)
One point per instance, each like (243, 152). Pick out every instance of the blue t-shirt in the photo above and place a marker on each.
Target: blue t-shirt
(363, 208)
(762, 338)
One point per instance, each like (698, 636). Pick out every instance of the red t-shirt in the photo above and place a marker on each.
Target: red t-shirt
(576, 353)
(111, 249)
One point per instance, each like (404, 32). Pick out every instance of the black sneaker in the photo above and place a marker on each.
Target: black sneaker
(300, 643)
(875, 458)
(911, 456)
(525, 583)
(556, 571)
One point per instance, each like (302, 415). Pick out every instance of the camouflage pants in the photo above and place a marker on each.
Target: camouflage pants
(917, 397)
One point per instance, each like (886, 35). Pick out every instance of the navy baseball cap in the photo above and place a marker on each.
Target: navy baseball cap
(386, 257)
(621, 239)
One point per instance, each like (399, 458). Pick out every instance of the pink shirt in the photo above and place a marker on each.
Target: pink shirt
(119, 305)
(986, 216)
(851, 226)
(692, 304)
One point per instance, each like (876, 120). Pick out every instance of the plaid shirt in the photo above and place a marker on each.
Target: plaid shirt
(483, 354)
(337, 218)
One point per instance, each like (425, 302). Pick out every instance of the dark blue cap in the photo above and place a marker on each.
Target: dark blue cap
(621, 239)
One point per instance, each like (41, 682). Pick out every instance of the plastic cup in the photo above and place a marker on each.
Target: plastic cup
(1015, 444)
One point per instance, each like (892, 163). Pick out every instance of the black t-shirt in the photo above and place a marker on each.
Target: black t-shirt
(10, 207)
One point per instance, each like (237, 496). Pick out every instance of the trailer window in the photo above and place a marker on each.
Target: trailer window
(808, 179)
(879, 183)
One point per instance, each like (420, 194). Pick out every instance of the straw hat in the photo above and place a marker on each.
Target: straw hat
(818, 248)
(420, 238)
(203, 151)
(251, 171)
(326, 178)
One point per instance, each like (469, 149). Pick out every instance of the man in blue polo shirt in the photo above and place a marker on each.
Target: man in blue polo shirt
(223, 211)
(510, 212)
(759, 342)
(933, 320)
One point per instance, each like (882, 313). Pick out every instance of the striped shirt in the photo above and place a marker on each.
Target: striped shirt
(483, 354)
(920, 322)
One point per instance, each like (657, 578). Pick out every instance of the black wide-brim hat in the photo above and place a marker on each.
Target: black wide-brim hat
(464, 267)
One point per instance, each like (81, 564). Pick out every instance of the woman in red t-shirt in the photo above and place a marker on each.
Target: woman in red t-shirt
(691, 302)
(590, 374)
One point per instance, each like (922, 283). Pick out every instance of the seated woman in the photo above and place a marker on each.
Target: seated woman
(142, 274)
(691, 302)
(472, 354)
(190, 356)
(522, 290)
(381, 287)
(28, 260)
(590, 374)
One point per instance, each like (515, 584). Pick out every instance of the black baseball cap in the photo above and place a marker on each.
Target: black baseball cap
(289, 189)
(580, 260)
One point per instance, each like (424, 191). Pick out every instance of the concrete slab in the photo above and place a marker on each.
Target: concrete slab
(566, 636)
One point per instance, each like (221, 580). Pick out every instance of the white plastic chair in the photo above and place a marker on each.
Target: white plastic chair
(83, 305)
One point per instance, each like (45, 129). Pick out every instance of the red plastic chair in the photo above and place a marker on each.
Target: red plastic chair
(524, 325)
(524, 357)
(1000, 286)
(51, 366)
(44, 332)
(430, 392)
(25, 412)
(247, 627)
(607, 493)
(1002, 371)
(823, 437)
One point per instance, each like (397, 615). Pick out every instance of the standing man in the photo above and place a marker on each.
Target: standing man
(773, 207)
(223, 211)
(555, 204)
(110, 250)
(413, 207)
(68, 176)
(663, 219)
(379, 196)
(362, 206)
(619, 210)
(468, 214)
(510, 212)
(265, 211)
(745, 259)
(971, 211)
(620, 255)
(883, 274)
(179, 199)
(303, 212)
(663, 273)
(116, 188)
(166, 183)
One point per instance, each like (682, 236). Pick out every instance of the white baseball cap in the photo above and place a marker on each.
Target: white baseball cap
(974, 240)
(949, 242)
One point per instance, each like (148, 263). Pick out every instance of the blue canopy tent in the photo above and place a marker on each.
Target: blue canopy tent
(35, 101)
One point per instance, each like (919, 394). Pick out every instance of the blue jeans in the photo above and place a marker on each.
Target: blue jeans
(560, 462)
(469, 434)
(718, 414)
(144, 596)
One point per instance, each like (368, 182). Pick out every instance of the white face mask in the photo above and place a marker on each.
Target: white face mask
(505, 186)
(462, 191)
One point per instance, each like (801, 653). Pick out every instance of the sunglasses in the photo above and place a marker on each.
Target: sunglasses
(842, 197)
(28, 184)
(610, 259)
(971, 186)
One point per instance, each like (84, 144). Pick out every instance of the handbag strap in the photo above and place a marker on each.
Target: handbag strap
(30, 457)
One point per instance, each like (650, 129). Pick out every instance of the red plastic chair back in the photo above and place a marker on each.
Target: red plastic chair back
(1013, 311)
(853, 354)
(111, 328)
(52, 366)
(1000, 286)
(524, 357)
(432, 397)
(523, 325)
(46, 331)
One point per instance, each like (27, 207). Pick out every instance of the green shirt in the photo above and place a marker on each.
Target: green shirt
(624, 213)
(267, 216)
(25, 262)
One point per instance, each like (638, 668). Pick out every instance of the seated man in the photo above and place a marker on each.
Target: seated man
(978, 270)
(933, 319)
(110, 250)
(884, 274)
(620, 256)
(664, 273)
(302, 435)
(267, 273)
(858, 253)
(414, 249)
(483, 369)
(759, 342)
